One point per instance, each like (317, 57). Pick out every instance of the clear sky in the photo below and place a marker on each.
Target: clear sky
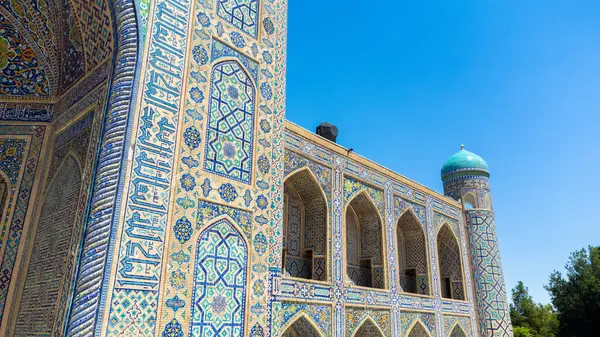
(518, 82)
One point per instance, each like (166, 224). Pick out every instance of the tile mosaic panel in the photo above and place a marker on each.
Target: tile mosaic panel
(13, 221)
(411, 319)
(492, 304)
(358, 319)
(320, 315)
(229, 138)
(243, 14)
(220, 282)
(457, 326)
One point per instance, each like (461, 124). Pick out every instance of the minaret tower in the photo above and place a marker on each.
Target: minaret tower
(466, 178)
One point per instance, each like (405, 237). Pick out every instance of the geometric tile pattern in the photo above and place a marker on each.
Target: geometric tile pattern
(320, 315)
(418, 320)
(368, 321)
(490, 290)
(57, 43)
(13, 222)
(11, 232)
(37, 310)
(229, 138)
(243, 14)
(455, 324)
(219, 298)
(20, 70)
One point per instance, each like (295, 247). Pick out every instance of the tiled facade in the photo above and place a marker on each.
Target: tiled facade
(150, 186)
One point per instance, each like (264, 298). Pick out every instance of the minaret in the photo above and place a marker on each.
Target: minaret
(466, 178)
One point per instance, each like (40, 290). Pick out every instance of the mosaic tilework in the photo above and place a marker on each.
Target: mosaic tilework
(243, 14)
(219, 298)
(294, 162)
(58, 42)
(457, 326)
(21, 71)
(490, 290)
(50, 270)
(26, 112)
(92, 272)
(320, 315)
(12, 152)
(12, 224)
(140, 248)
(339, 293)
(411, 319)
(42, 285)
(229, 138)
(214, 42)
(352, 187)
(363, 322)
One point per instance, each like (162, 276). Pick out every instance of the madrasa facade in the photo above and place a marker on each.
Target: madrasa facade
(151, 186)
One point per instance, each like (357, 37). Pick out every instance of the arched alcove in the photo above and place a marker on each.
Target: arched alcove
(220, 282)
(305, 227)
(451, 279)
(364, 243)
(368, 329)
(302, 327)
(51, 251)
(418, 330)
(457, 331)
(412, 255)
(469, 201)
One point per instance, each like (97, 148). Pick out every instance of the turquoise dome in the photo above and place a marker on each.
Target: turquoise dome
(464, 160)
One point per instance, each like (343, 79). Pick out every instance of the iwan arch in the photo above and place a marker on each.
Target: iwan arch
(150, 186)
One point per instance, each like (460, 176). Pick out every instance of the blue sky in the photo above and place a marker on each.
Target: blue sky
(518, 82)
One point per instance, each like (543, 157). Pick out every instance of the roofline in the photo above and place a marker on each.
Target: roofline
(340, 150)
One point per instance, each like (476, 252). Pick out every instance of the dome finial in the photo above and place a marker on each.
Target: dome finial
(462, 146)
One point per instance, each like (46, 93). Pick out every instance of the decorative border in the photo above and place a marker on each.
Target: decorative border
(91, 273)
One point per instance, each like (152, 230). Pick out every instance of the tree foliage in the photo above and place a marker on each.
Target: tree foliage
(576, 296)
(521, 331)
(530, 318)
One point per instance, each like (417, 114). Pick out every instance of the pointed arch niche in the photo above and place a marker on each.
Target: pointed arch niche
(412, 255)
(305, 227)
(302, 327)
(457, 331)
(220, 281)
(451, 279)
(368, 329)
(364, 243)
(418, 330)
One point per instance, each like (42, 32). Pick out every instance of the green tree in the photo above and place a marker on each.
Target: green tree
(521, 331)
(576, 296)
(531, 318)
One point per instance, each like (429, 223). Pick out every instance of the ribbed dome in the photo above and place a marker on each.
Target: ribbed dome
(464, 160)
